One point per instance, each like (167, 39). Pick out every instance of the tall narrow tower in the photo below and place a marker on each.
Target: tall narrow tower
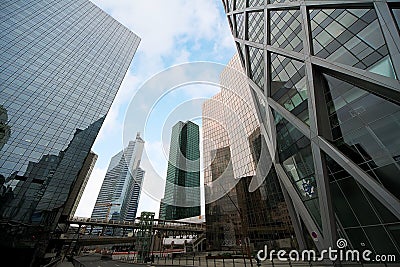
(119, 194)
(182, 188)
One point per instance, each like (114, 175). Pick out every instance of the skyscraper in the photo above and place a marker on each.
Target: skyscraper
(80, 184)
(325, 79)
(4, 128)
(119, 194)
(236, 212)
(61, 64)
(182, 188)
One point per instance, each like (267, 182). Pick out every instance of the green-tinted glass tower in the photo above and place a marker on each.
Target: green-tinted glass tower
(182, 188)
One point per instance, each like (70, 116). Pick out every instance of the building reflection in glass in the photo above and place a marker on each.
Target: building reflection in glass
(232, 148)
(39, 194)
(5, 130)
(61, 65)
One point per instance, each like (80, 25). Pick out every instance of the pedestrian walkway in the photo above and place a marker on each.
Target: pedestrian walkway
(65, 263)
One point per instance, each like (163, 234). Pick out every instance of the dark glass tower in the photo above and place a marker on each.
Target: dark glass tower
(61, 64)
(326, 76)
(182, 188)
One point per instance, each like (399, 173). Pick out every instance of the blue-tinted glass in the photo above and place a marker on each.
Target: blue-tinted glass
(396, 15)
(61, 65)
(255, 25)
(352, 37)
(256, 59)
(297, 160)
(286, 29)
(366, 128)
(289, 86)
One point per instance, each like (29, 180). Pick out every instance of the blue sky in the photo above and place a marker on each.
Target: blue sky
(172, 32)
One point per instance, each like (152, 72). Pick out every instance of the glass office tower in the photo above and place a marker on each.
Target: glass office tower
(182, 187)
(237, 213)
(61, 64)
(119, 194)
(325, 79)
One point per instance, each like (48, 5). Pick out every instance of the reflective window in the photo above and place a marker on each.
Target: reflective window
(286, 30)
(185, 203)
(288, 85)
(396, 15)
(366, 128)
(240, 4)
(241, 49)
(280, 1)
(57, 83)
(239, 20)
(255, 24)
(253, 3)
(230, 5)
(352, 37)
(256, 60)
(360, 214)
(296, 158)
(231, 152)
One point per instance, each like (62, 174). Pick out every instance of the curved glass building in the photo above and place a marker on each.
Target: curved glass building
(324, 76)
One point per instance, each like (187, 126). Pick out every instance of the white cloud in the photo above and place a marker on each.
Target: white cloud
(112, 125)
(157, 153)
(171, 32)
(91, 192)
(182, 56)
(164, 25)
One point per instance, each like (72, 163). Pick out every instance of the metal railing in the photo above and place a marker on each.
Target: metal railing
(236, 262)
(157, 224)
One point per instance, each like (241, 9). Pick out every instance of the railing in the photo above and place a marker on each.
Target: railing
(216, 261)
(157, 224)
(77, 263)
(199, 239)
(53, 262)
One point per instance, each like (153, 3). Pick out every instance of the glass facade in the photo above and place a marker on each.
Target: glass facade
(223, 222)
(365, 127)
(352, 37)
(294, 151)
(288, 85)
(238, 117)
(182, 189)
(286, 31)
(80, 184)
(255, 22)
(330, 108)
(362, 217)
(396, 15)
(232, 149)
(61, 64)
(257, 66)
